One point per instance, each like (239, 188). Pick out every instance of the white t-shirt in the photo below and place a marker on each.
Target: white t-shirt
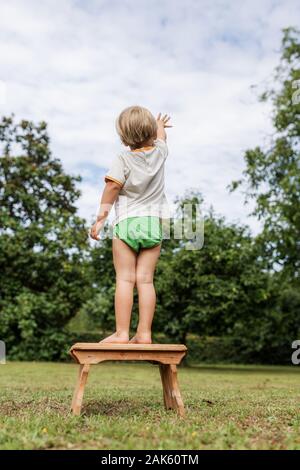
(140, 174)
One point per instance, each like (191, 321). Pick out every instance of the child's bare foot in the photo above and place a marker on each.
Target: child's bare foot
(121, 338)
(141, 339)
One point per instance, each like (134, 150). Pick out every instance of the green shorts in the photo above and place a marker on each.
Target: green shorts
(139, 232)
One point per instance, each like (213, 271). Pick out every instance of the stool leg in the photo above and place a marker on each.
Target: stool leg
(165, 384)
(172, 396)
(79, 389)
(179, 406)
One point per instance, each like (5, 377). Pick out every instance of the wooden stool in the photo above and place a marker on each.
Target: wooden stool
(167, 356)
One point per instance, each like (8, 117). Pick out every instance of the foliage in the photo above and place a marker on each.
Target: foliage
(42, 243)
(272, 175)
(209, 289)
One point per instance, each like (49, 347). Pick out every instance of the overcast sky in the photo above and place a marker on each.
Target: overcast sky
(77, 63)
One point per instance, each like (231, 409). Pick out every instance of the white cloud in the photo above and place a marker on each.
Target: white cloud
(76, 64)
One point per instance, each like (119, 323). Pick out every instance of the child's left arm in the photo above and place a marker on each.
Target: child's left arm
(108, 198)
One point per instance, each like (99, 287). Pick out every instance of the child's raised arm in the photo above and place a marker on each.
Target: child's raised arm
(161, 124)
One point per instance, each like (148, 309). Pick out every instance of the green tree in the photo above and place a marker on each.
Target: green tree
(43, 244)
(272, 174)
(207, 291)
(266, 336)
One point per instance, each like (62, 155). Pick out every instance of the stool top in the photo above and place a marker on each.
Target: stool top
(128, 347)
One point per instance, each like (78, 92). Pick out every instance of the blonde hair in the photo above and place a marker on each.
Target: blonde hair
(135, 126)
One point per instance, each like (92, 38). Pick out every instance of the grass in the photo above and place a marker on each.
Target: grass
(227, 408)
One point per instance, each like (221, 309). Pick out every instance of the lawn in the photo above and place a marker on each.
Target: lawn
(227, 408)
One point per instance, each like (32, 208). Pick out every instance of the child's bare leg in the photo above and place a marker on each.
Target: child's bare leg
(125, 266)
(145, 268)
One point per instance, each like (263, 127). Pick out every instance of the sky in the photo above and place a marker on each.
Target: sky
(77, 63)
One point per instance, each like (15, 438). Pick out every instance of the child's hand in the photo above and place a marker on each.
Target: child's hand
(163, 120)
(95, 229)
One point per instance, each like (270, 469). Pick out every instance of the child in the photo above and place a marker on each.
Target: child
(135, 183)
